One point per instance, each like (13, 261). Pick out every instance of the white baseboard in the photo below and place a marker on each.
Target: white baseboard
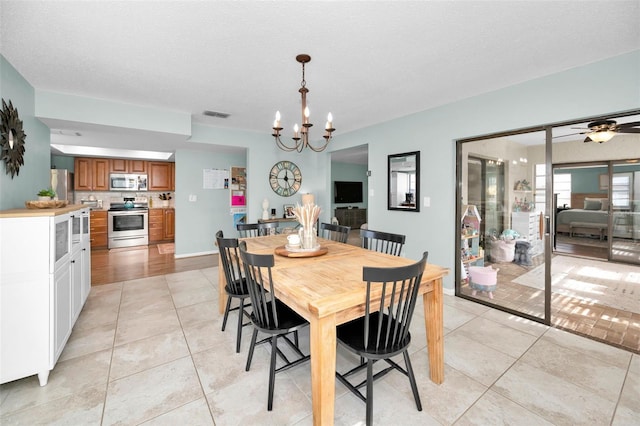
(449, 291)
(202, 253)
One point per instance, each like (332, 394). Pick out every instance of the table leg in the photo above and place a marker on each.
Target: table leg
(222, 295)
(323, 369)
(434, 327)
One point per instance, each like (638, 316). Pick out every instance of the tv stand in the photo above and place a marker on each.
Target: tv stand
(353, 218)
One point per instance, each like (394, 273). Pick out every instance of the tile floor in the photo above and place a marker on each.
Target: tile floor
(150, 351)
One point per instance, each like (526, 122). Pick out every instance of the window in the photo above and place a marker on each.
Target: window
(540, 186)
(621, 191)
(561, 186)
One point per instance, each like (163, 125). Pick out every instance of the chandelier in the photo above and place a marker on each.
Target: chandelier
(301, 135)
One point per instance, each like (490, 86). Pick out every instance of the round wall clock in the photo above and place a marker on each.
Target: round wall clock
(285, 178)
(11, 138)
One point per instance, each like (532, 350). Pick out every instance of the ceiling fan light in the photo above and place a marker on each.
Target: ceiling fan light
(602, 136)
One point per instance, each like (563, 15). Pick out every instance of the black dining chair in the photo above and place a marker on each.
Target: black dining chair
(250, 230)
(270, 316)
(236, 287)
(383, 331)
(330, 231)
(383, 242)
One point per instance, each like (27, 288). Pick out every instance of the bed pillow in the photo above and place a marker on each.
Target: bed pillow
(605, 204)
(592, 204)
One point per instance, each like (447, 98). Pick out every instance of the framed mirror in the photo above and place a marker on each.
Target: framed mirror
(403, 187)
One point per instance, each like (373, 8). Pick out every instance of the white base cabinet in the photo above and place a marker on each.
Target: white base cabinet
(42, 288)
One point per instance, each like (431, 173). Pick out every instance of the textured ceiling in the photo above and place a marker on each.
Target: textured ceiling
(371, 61)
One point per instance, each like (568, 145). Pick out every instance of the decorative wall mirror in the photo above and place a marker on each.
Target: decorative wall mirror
(403, 190)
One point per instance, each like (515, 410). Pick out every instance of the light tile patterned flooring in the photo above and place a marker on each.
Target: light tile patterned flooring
(150, 351)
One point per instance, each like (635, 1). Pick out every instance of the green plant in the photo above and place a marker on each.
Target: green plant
(165, 196)
(47, 193)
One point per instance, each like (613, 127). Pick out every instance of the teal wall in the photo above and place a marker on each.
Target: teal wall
(62, 162)
(197, 222)
(34, 174)
(587, 180)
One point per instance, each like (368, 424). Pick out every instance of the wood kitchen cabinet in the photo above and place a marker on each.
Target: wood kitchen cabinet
(162, 225)
(122, 165)
(91, 174)
(169, 224)
(160, 176)
(156, 225)
(98, 229)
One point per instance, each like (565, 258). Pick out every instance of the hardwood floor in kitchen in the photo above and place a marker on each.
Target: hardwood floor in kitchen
(108, 266)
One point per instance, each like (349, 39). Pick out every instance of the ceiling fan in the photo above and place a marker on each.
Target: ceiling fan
(603, 130)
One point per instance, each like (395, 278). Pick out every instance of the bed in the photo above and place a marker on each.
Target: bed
(593, 219)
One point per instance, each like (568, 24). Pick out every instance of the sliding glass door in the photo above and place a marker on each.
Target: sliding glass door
(624, 193)
(502, 223)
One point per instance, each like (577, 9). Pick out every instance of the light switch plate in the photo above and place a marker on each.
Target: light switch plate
(193, 198)
(427, 202)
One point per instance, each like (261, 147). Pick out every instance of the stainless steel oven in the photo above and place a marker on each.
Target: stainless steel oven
(128, 222)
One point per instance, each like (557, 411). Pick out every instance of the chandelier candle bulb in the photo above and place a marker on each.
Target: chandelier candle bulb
(276, 123)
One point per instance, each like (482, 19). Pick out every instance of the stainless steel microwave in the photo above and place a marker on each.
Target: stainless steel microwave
(127, 182)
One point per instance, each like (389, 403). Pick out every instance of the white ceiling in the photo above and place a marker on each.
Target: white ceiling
(371, 61)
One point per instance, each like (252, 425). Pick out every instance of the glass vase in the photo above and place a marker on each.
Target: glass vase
(308, 238)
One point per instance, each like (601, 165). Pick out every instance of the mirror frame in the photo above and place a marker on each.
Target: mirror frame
(416, 206)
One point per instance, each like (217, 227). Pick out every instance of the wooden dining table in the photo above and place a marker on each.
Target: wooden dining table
(327, 291)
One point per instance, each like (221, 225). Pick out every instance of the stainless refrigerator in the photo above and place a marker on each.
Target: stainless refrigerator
(62, 184)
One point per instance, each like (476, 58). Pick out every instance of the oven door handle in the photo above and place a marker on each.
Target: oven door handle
(128, 213)
(127, 238)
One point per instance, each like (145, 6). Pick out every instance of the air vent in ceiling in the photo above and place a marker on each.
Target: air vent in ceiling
(216, 114)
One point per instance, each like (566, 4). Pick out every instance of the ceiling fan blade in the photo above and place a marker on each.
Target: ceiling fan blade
(628, 130)
(570, 134)
(631, 124)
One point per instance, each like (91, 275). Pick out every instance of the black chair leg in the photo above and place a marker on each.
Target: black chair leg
(251, 348)
(412, 380)
(226, 313)
(369, 403)
(240, 319)
(272, 370)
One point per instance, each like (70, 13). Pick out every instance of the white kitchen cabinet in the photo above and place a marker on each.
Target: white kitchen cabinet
(62, 313)
(85, 254)
(41, 291)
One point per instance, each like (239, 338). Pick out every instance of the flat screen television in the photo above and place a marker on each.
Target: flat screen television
(347, 192)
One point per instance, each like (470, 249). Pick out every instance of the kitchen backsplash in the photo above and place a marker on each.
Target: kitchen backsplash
(106, 196)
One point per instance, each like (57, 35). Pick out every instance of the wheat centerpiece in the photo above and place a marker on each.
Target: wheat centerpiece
(308, 215)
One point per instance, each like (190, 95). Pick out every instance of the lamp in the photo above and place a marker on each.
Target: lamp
(601, 136)
(301, 135)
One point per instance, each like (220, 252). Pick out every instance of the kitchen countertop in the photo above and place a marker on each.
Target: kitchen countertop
(41, 212)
